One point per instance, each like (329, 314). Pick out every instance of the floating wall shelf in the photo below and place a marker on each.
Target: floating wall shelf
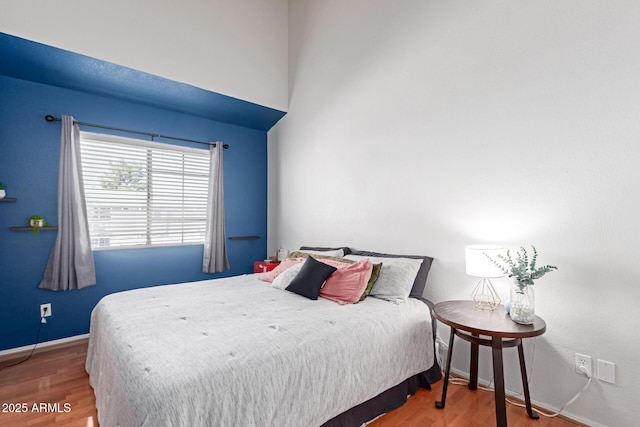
(8, 199)
(31, 228)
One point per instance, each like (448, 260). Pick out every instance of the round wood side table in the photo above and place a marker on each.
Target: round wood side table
(472, 324)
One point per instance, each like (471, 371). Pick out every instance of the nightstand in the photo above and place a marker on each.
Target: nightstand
(470, 323)
(264, 266)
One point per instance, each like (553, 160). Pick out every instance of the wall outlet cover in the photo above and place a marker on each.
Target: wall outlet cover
(585, 361)
(48, 310)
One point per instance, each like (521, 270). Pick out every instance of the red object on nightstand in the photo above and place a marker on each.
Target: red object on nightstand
(264, 266)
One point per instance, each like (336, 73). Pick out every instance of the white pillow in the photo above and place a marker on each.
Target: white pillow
(284, 279)
(334, 252)
(396, 277)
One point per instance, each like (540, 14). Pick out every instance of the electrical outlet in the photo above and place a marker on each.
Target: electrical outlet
(45, 310)
(606, 371)
(584, 361)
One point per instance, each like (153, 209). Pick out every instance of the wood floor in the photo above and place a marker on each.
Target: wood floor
(58, 377)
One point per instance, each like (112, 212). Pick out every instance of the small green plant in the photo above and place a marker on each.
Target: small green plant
(36, 221)
(520, 268)
(1, 186)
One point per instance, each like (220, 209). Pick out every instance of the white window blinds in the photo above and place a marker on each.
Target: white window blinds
(142, 193)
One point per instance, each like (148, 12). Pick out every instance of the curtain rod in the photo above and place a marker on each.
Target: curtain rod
(50, 118)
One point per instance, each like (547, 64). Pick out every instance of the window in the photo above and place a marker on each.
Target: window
(143, 193)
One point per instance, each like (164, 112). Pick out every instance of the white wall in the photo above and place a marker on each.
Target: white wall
(237, 48)
(422, 126)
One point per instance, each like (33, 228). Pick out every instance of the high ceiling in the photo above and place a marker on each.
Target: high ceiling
(27, 60)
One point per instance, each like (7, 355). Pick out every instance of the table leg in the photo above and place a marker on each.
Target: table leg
(441, 403)
(525, 383)
(498, 375)
(473, 366)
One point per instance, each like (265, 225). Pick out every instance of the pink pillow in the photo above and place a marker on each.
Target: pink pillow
(348, 282)
(270, 276)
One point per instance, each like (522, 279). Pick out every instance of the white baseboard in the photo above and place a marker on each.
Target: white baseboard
(14, 353)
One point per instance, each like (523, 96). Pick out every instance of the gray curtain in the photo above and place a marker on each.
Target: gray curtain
(70, 264)
(215, 248)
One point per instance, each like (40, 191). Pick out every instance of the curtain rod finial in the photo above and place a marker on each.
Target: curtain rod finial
(49, 118)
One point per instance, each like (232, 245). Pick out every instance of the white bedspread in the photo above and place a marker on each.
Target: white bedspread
(236, 352)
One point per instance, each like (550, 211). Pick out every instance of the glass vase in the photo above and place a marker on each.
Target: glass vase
(523, 304)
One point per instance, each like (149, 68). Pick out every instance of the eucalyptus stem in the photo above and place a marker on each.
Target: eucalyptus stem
(522, 269)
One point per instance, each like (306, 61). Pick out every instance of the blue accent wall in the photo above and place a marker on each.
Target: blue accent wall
(36, 62)
(29, 154)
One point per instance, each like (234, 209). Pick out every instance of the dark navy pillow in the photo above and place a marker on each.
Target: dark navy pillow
(310, 279)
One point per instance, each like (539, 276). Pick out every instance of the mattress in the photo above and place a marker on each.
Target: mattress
(237, 352)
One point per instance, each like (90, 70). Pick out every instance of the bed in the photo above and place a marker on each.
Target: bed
(238, 352)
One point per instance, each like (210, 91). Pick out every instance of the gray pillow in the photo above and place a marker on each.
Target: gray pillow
(284, 279)
(396, 277)
(345, 249)
(421, 278)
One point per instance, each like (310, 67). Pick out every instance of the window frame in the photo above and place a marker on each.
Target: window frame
(149, 145)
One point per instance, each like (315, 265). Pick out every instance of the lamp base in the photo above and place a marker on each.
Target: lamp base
(484, 295)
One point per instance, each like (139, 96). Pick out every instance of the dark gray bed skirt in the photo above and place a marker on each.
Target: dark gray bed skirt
(394, 397)
(386, 401)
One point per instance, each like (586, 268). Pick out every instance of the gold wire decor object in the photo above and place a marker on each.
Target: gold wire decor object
(484, 295)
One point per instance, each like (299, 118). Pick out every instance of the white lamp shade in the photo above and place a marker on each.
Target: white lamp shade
(477, 263)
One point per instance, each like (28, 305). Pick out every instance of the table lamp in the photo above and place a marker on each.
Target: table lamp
(484, 295)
